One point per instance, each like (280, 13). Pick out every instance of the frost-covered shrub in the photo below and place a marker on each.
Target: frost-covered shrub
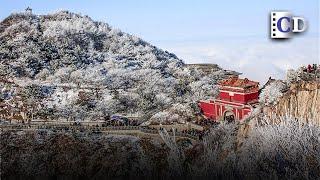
(203, 89)
(293, 75)
(62, 99)
(184, 111)
(177, 113)
(42, 75)
(175, 157)
(163, 118)
(289, 150)
(217, 153)
(271, 93)
(66, 27)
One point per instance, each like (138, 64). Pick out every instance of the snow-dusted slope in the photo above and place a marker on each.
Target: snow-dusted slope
(32, 44)
(93, 70)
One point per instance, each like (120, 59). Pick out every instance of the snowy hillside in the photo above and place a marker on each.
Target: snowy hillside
(93, 70)
(37, 45)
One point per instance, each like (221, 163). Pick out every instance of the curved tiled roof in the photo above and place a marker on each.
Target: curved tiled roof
(243, 84)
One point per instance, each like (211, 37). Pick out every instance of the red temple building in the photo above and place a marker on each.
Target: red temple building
(236, 100)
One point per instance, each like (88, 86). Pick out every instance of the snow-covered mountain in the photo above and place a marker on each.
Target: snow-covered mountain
(32, 44)
(91, 69)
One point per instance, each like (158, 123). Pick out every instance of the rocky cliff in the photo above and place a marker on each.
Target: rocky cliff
(301, 100)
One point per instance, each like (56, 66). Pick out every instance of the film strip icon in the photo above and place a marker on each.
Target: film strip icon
(280, 24)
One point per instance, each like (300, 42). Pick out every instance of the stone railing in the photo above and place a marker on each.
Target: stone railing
(96, 129)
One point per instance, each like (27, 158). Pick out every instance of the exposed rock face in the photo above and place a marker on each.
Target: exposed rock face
(302, 100)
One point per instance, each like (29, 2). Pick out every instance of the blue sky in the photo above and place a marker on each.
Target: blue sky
(233, 34)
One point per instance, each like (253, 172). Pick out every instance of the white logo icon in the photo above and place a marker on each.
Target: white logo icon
(283, 24)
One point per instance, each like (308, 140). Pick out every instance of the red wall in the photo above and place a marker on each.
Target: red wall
(252, 96)
(241, 98)
(216, 111)
(224, 96)
(238, 98)
(208, 109)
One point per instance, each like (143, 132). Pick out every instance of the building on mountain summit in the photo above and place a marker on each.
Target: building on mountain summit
(28, 10)
(236, 100)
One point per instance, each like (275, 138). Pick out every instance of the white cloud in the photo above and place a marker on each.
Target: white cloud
(257, 60)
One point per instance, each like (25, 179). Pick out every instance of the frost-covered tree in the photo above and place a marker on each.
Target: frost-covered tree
(271, 93)
(293, 75)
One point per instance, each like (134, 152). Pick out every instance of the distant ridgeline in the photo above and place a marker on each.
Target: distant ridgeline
(210, 68)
